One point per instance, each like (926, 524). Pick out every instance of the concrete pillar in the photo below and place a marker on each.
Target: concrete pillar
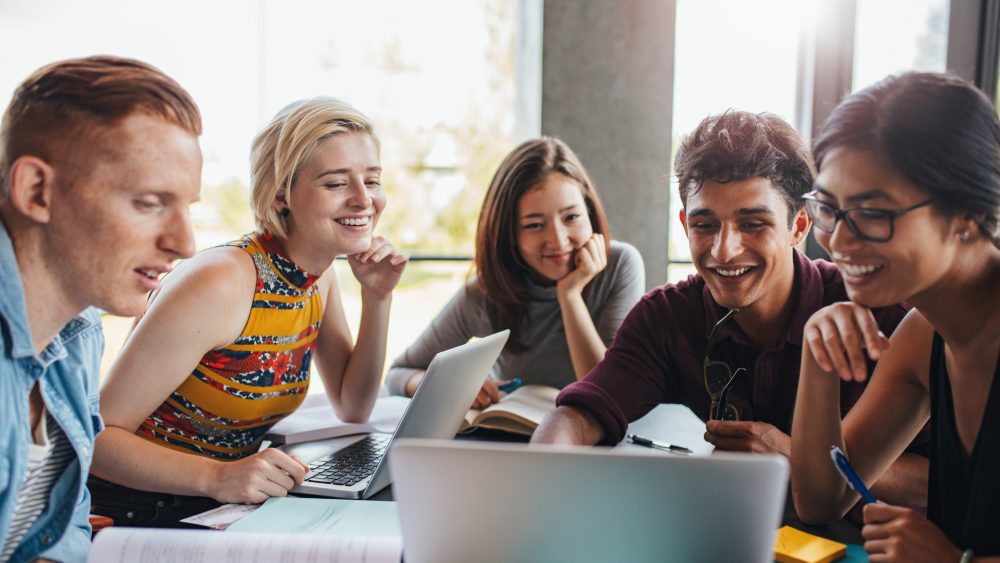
(607, 91)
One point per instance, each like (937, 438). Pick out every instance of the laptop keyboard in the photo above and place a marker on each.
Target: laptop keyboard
(351, 464)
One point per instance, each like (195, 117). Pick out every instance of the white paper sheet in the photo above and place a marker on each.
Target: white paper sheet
(315, 420)
(222, 517)
(323, 516)
(673, 424)
(141, 545)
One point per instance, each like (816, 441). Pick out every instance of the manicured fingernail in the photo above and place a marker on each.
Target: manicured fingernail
(375, 257)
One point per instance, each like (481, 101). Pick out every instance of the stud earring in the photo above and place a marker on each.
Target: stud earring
(285, 211)
(965, 235)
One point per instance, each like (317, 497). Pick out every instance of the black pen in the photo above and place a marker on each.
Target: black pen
(658, 445)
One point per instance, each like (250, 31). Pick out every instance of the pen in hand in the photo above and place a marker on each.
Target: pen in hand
(646, 442)
(508, 385)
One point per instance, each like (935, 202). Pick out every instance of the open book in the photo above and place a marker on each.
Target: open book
(315, 420)
(144, 545)
(520, 411)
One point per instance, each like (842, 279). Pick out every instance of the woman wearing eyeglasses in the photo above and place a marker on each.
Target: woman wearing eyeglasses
(907, 203)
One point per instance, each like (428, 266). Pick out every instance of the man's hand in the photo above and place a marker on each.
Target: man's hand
(568, 426)
(748, 436)
(893, 533)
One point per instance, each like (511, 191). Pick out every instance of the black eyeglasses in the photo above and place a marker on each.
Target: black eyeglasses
(718, 378)
(873, 225)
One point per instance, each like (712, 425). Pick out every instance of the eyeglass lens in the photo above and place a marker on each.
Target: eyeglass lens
(717, 375)
(871, 223)
(728, 414)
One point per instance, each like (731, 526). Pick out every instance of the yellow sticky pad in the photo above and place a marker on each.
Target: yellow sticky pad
(793, 546)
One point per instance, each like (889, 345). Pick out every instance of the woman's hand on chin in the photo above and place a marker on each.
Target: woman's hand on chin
(379, 268)
(590, 260)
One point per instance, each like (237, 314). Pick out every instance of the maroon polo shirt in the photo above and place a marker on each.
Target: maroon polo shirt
(657, 356)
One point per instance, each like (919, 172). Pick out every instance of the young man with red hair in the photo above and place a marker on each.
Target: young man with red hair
(99, 160)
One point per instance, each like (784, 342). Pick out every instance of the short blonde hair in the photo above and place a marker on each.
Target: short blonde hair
(282, 149)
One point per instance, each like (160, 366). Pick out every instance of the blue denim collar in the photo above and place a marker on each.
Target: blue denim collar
(14, 312)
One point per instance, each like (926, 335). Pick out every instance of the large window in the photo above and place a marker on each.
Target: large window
(437, 78)
(895, 36)
(440, 90)
(757, 56)
(730, 54)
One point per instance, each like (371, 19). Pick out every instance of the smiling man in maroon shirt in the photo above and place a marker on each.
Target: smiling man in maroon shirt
(741, 180)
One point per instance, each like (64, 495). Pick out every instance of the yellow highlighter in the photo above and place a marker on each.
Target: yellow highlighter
(793, 546)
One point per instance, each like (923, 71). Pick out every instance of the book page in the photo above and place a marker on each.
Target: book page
(528, 405)
(143, 545)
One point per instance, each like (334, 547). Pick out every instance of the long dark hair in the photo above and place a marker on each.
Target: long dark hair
(501, 270)
(938, 131)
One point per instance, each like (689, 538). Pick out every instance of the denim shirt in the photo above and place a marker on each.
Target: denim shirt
(68, 370)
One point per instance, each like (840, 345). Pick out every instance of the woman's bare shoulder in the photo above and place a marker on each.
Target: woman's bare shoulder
(909, 351)
(214, 282)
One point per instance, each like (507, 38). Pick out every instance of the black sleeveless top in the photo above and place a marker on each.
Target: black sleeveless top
(964, 494)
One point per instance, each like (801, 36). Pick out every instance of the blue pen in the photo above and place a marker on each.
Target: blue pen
(509, 385)
(849, 475)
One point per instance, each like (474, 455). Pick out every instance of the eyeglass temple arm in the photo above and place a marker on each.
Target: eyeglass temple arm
(724, 396)
(715, 331)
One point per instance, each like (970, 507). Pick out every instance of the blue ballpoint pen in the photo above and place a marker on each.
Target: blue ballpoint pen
(848, 473)
(509, 385)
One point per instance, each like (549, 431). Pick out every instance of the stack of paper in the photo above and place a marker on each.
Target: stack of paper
(315, 420)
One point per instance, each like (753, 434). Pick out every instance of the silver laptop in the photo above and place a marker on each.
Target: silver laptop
(485, 502)
(356, 466)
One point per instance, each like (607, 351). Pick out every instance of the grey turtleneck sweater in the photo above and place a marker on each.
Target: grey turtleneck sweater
(613, 292)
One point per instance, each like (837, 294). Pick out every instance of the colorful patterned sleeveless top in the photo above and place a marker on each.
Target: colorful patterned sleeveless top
(235, 394)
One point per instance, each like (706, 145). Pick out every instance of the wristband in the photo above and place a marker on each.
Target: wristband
(967, 556)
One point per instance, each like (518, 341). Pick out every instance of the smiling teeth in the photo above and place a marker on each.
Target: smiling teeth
(733, 273)
(860, 270)
(354, 222)
(150, 273)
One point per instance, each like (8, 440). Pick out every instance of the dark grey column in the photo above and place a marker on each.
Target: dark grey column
(833, 70)
(973, 39)
(607, 91)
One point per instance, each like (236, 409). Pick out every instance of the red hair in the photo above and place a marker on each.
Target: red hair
(61, 111)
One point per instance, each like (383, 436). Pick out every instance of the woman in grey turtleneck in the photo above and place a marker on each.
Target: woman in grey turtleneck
(547, 269)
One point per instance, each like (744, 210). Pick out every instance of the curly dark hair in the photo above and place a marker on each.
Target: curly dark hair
(737, 145)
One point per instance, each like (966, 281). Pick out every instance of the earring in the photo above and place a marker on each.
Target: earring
(285, 211)
(965, 235)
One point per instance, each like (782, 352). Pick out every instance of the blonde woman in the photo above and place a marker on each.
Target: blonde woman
(224, 348)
